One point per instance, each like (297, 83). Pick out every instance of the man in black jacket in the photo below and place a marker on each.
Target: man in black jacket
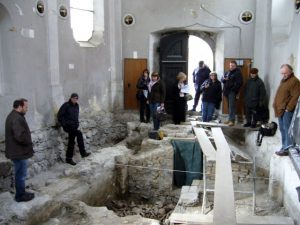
(255, 99)
(200, 74)
(68, 117)
(18, 146)
(232, 81)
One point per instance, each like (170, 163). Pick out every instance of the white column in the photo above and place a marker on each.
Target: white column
(262, 37)
(53, 70)
(115, 44)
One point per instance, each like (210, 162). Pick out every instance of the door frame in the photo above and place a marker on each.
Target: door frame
(133, 68)
(245, 65)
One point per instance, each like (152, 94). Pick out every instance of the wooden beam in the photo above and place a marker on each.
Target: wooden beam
(205, 144)
(201, 219)
(224, 209)
(208, 124)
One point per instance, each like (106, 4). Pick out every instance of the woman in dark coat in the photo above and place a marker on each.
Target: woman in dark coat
(142, 94)
(179, 110)
(156, 97)
(255, 99)
(211, 97)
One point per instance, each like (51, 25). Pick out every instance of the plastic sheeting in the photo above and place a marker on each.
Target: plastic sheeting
(187, 157)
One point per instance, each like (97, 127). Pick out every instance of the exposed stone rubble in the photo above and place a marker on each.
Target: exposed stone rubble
(99, 131)
(133, 178)
(158, 210)
(94, 181)
(150, 169)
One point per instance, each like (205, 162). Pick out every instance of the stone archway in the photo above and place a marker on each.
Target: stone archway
(209, 37)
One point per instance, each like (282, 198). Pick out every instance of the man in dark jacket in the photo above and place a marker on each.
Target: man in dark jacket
(200, 74)
(18, 146)
(68, 117)
(232, 81)
(255, 98)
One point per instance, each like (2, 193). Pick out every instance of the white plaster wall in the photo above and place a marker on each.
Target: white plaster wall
(96, 70)
(44, 64)
(160, 16)
(274, 47)
(219, 55)
(25, 63)
(282, 186)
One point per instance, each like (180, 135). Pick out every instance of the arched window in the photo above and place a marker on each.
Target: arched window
(82, 19)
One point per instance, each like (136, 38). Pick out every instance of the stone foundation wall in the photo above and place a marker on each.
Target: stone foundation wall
(150, 169)
(241, 172)
(50, 143)
(151, 172)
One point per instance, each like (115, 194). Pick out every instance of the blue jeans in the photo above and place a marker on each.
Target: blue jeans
(20, 176)
(208, 109)
(284, 124)
(153, 109)
(231, 106)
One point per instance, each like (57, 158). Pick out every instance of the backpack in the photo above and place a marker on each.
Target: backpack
(156, 135)
(268, 129)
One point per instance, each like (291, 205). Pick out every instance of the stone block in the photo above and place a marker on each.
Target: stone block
(196, 182)
(5, 168)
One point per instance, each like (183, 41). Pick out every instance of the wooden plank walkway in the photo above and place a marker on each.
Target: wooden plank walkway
(212, 124)
(201, 219)
(208, 124)
(224, 208)
(205, 144)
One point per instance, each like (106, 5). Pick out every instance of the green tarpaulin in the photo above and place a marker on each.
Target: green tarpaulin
(187, 157)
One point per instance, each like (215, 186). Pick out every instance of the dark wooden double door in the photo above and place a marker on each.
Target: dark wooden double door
(173, 59)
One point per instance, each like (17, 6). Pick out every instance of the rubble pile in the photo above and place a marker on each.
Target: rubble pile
(158, 210)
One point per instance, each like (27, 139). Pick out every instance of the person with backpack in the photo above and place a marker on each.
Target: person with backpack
(68, 117)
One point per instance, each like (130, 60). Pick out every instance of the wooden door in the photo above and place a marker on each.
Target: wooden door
(173, 59)
(133, 68)
(244, 65)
